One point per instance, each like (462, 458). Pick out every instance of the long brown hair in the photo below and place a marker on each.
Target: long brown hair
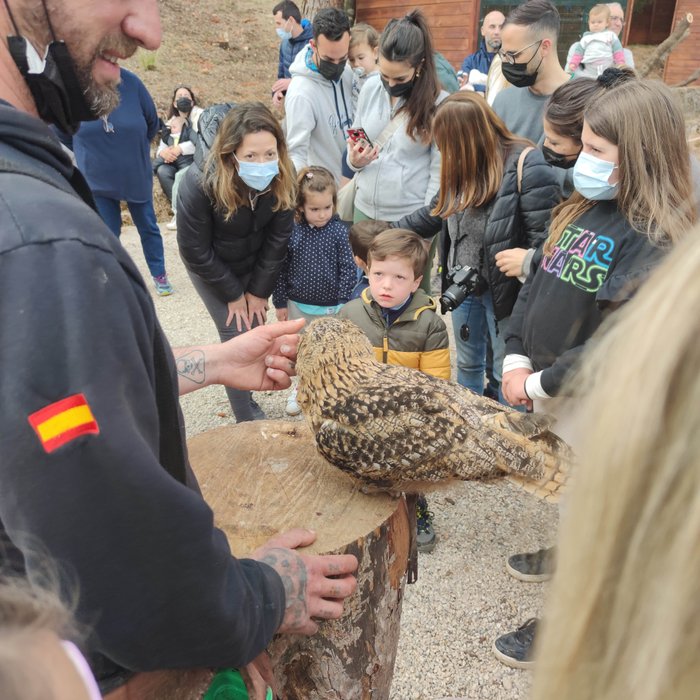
(622, 616)
(474, 143)
(222, 181)
(643, 119)
(408, 40)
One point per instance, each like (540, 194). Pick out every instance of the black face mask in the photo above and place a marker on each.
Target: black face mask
(400, 89)
(329, 70)
(559, 160)
(184, 104)
(57, 93)
(516, 73)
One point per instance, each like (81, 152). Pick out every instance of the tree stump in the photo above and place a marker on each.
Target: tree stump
(263, 477)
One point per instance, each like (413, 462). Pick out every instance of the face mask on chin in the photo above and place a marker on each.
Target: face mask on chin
(53, 83)
(282, 34)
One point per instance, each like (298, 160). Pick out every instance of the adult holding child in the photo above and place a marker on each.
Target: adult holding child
(400, 170)
(496, 194)
(235, 217)
(178, 140)
(633, 202)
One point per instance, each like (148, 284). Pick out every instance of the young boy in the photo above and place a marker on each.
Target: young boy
(400, 321)
(598, 48)
(361, 236)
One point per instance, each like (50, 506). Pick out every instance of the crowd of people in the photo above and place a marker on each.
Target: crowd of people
(550, 194)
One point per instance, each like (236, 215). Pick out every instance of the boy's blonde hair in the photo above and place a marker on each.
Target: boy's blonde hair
(599, 11)
(622, 616)
(362, 234)
(364, 34)
(399, 243)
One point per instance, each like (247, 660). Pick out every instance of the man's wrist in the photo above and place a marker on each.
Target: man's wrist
(196, 366)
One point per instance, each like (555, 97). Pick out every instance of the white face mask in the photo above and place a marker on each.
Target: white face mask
(83, 669)
(591, 177)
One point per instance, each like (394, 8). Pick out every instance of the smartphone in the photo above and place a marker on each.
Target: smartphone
(359, 136)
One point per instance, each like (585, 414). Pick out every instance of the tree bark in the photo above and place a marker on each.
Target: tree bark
(659, 56)
(309, 8)
(264, 477)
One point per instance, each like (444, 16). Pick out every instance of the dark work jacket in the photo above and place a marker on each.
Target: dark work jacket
(289, 48)
(518, 219)
(156, 583)
(243, 254)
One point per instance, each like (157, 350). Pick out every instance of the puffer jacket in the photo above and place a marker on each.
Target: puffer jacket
(243, 254)
(517, 220)
(416, 339)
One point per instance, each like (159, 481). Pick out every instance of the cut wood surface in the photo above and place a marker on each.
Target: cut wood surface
(264, 477)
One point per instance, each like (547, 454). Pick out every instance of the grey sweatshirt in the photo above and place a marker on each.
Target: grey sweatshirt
(406, 175)
(318, 113)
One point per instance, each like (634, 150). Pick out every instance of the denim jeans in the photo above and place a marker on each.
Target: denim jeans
(144, 217)
(477, 313)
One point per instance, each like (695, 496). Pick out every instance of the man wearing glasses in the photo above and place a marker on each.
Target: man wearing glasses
(531, 65)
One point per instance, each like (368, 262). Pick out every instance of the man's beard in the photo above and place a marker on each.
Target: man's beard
(494, 44)
(103, 99)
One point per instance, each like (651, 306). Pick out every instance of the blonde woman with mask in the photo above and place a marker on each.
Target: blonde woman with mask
(622, 616)
(235, 217)
(633, 202)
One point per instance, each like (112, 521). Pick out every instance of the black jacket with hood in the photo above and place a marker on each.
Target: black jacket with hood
(518, 219)
(243, 254)
(113, 503)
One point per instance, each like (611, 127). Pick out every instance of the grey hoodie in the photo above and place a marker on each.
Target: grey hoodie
(406, 174)
(318, 113)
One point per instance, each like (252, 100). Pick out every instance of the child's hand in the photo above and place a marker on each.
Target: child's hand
(513, 387)
(510, 262)
(282, 314)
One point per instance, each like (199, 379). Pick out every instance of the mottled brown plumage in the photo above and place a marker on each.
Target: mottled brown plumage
(399, 429)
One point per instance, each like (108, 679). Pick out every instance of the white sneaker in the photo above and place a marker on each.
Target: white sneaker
(172, 224)
(292, 408)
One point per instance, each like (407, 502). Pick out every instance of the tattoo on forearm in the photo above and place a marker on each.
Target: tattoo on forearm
(191, 366)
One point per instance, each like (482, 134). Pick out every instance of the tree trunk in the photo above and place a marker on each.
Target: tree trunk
(309, 8)
(263, 477)
(661, 52)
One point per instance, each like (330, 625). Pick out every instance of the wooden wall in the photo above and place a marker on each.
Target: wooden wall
(685, 58)
(453, 23)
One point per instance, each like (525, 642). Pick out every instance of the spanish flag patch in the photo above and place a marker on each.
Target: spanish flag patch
(63, 421)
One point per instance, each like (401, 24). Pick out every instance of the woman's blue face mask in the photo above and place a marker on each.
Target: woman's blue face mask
(258, 176)
(591, 176)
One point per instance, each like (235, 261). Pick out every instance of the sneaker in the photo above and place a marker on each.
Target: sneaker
(532, 567)
(172, 224)
(292, 408)
(515, 648)
(425, 537)
(163, 286)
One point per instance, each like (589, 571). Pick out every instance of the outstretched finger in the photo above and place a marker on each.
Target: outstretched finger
(291, 539)
(334, 564)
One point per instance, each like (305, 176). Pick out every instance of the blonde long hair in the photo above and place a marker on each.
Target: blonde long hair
(623, 616)
(222, 182)
(473, 142)
(643, 119)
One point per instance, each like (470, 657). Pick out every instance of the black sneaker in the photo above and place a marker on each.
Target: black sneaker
(425, 537)
(515, 648)
(532, 567)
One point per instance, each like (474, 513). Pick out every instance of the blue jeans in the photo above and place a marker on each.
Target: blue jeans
(477, 313)
(144, 217)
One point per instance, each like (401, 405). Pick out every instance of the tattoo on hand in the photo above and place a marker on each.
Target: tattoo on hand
(191, 366)
(292, 570)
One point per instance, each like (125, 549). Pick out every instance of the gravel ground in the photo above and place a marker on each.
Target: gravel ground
(463, 598)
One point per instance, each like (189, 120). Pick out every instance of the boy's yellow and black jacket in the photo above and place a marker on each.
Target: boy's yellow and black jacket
(417, 338)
